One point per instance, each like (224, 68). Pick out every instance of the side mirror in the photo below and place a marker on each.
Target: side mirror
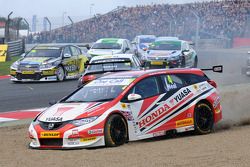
(52, 102)
(134, 97)
(133, 42)
(184, 52)
(66, 55)
(248, 52)
(87, 46)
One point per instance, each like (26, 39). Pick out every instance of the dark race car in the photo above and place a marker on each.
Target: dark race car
(103, 65)
(51, 62)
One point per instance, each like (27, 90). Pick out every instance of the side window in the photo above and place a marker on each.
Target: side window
(66, 51)
(74, 50)
(171, 82)
(192, 78)
(147, 87)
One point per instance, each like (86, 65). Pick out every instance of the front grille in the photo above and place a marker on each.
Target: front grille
(55, 126)
(158, 58)
(32, 67)
(35, 76)
(51, 142)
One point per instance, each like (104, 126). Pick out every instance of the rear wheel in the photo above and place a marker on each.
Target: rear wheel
(60, 74)
(203, 118)
(115, 131)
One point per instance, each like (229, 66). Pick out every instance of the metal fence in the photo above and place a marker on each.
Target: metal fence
(16, 48)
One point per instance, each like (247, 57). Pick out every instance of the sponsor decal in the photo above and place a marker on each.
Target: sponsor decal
(75, 132)
(54, 119)
(154, 115)
(50, 135)
(71, 68)
(110, 82)
(87, 139)
(62, 110)
(128, 115)
(216, 101)
(73, 141)
(184, 122)
(160, 133)
(123, 105)
(182, 95)
(95, 131)
(195, 87)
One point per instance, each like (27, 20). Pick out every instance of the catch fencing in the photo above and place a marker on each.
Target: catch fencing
(16, 48)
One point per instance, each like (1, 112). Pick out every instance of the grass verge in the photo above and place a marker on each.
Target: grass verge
(5, 66)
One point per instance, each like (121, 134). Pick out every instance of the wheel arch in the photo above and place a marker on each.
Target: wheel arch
(121, 115)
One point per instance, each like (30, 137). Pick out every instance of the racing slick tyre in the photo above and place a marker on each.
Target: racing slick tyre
(183, 62)
(203, 118)
(115, 131)
(195, 62)
(60, 74)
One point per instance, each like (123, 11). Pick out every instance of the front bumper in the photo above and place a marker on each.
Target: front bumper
(44, 75)
(67, 138)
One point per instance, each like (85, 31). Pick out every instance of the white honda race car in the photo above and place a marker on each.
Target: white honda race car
(129, 106)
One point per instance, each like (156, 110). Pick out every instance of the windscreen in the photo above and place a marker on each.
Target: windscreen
(165, 45)
(44, 53)
(147, 40)
(106, 46)
(100, 90)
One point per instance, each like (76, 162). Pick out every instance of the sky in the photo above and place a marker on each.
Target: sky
(53, 8)
(58, 10)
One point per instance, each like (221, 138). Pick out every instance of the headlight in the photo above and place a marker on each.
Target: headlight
(47, 65)
(15, 65)
(83, 121)
(173, 58)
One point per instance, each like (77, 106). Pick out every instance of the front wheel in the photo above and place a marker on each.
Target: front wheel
(203, 118)
(115, 131)
(195, 62)
(60, 74)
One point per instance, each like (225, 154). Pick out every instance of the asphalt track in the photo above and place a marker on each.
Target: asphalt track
(18, 96)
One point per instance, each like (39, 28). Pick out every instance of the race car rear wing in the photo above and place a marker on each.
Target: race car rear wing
(218, 68)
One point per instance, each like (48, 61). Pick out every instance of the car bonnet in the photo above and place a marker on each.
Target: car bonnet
(69, 111)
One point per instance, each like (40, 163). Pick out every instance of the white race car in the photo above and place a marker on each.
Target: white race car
(129, 106)
(108, 46)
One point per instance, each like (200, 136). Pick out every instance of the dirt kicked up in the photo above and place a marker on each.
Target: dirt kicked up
(225, 147)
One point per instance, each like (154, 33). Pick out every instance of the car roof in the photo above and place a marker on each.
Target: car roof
(129, 56)
(139, 73)
(166, 38)
(146, 36)
(55, 46)
(114, 40)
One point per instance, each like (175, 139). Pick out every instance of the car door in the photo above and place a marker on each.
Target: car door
(69, 62)
(149, 91)
(154, 111)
